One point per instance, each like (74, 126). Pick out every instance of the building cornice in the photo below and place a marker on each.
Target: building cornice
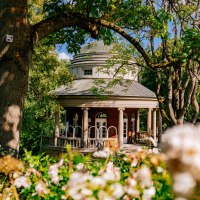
(109, 103)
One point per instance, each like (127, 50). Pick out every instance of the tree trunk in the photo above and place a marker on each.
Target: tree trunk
(14, 64)
(180, 120)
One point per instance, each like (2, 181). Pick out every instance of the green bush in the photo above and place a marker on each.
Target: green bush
(138, 175)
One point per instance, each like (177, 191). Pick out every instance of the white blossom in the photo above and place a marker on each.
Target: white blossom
(21, 182)
(117, 189)
(86, 192)
(182, 144)
(132, 192)
(104, 195)
(148, 193)
(159, 169)
(53, 172)
(73, 192)
(40, 188)
(132, 182)
(144, 176)
(184, 184)
(78, 185)
(77, 178)
(155, 151)
(98, 181)
(182, 149)
(131, 187)
(112, 173)
(101, 154)
(80, 166)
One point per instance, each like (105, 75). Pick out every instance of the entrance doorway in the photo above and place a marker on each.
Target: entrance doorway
(133, 123)
(125, 129)
(101, 124)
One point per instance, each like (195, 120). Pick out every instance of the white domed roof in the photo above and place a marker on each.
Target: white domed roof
(93, 62)
(97, 46)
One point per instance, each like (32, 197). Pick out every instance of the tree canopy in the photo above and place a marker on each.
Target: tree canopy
(164, 35)
(46, 73)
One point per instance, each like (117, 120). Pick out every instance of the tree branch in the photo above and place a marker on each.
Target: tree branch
(132, 40)
(177, 88)
(195, 104)
(170, 92)
(55, 23)
(135, 43)
(92, 25)
(189, 96)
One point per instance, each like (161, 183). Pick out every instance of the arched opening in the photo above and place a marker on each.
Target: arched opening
(101, 124)
(70, 131)
(78, 131)
(75, 120)
(112, 132)
(93, 132)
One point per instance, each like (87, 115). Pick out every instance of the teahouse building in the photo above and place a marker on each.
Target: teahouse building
(106, 117)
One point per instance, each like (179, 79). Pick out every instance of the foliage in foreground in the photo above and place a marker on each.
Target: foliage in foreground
(139, 175)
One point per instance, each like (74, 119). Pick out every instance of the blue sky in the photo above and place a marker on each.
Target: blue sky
(62, 52)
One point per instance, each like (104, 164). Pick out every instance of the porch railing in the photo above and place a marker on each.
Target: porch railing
(47, 141)
(106, 139)
(106, 142)
(92, 143)
(61, 141)
(74, 142)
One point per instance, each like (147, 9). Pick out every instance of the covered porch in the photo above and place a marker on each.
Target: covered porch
(91, 123)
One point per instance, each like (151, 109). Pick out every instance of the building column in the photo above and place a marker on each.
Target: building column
(57, 126)
(138, 121)
(85, 126)
(120, 128)
(154, 123)
(149, 120)
(159, 127)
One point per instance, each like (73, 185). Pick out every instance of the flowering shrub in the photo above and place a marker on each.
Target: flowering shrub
(182, 150)
(109, 175)
(138, 175)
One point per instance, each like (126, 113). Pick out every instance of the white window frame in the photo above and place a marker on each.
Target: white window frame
(87, 72)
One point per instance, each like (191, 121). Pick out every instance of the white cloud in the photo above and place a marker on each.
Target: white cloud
(63, 56)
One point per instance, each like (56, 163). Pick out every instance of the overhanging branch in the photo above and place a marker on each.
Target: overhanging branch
(55, 23)
(91, 25)
(135, 43)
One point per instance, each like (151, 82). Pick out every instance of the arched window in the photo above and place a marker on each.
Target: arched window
(101, 115)
(133, 123)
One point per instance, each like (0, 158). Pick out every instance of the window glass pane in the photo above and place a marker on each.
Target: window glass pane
(101, 115)
(87, 71)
